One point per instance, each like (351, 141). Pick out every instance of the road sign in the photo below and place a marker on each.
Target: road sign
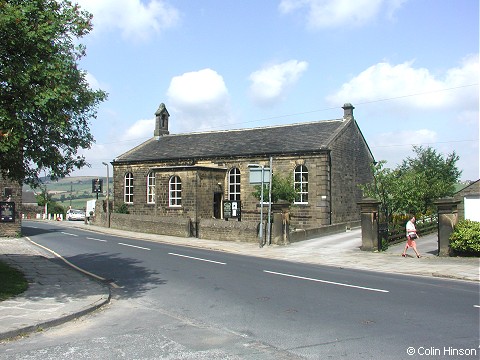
(256, 176)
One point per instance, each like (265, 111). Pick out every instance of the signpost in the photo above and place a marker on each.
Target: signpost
(259, 175)
(97, 185)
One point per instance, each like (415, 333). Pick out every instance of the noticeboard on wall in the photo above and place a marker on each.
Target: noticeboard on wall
(232, 210)
(7, 211)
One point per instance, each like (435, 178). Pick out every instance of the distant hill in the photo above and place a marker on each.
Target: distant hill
(72, 191)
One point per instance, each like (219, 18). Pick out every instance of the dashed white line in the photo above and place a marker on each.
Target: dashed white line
(65, 233)
(101, 240)
(200, 259)
(134, 246)
(326, 282)
(477, 306)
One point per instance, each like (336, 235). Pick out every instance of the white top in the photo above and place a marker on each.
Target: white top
(411, 228)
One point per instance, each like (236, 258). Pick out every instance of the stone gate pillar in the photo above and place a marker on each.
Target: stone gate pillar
(281, 223)
(369, 219)
(447, 219)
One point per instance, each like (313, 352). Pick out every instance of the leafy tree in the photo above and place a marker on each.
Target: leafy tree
(45, 101)
(43, 197)
(432, 176)
(414, 185)
(382, 188)
(282, 189)
(53, 207)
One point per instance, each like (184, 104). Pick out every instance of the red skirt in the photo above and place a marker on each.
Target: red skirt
(411, 243)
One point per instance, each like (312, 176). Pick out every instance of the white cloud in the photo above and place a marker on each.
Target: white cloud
(336, 13)
(135, 19)
(416, 87)
(140, 129)
(198, 100)
(397, 145)
(270, 84)
(93, 82)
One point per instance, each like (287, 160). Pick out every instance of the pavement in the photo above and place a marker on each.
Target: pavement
(59, 293)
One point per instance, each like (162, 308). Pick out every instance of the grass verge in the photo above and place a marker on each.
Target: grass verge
(13, 282)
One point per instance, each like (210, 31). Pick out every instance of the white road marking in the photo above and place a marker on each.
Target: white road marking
(200, 259)
(89, 238)
(65, 233)
(73, 265)
(134, 246)
(476, 306)
(325, 281)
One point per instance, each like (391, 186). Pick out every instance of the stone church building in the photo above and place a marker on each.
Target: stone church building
(188, 177)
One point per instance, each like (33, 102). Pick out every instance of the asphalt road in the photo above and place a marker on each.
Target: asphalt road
(243, 307)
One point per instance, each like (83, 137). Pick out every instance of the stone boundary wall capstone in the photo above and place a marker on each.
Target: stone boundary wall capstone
(210, 229)
(215, 229)
(306, 234)
(149, 224)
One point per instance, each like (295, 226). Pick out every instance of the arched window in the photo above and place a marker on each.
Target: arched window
(151, 188)
(175, 191)
(234, 184)
(301, 184)
(128, 188)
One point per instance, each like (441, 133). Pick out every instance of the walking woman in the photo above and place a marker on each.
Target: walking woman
(411, 236)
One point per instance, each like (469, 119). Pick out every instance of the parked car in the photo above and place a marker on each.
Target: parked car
(73, 214)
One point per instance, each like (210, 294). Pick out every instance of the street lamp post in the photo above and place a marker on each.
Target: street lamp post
(108, 196)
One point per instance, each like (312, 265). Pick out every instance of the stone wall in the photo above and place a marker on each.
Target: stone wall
(306, 234)
(147, 224)
(350, 166)
(233, 230)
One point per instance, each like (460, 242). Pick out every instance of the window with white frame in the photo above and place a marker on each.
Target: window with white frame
(301, 184)
(151, 188)
(234, 184)
(128, 188)
(175, 191)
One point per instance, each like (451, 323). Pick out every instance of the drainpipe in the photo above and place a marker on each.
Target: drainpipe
(329, 188)
(196, 203)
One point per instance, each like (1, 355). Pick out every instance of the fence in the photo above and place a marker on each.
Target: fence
(395, 232)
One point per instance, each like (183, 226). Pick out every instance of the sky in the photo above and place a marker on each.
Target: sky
(410, 68)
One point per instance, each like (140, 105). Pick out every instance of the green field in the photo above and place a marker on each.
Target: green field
(74, 191)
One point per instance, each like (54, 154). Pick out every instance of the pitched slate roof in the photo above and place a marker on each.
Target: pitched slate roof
(286, 139)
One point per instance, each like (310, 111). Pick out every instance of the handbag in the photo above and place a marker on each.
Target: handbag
(413, 236)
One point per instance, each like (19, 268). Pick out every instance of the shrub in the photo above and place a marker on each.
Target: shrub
(385, 244)
(465, 238)
(282, 189)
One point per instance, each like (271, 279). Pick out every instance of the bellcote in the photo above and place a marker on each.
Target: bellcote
(161, 121)
(348, 111)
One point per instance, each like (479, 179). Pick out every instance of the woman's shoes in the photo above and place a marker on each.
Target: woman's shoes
(418, 256)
